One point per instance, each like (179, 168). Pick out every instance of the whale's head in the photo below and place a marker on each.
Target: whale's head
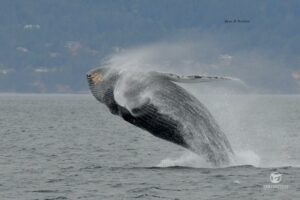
(95, 76)
(101, 80)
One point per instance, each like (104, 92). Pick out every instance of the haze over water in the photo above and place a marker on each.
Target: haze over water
(71, 147)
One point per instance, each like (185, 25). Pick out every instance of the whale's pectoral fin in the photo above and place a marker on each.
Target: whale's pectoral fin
(193, 78)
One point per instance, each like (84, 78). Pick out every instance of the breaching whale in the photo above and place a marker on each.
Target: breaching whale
(154, 102)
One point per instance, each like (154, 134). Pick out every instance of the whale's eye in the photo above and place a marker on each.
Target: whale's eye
(96, 78)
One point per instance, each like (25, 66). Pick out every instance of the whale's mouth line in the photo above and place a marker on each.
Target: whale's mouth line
(90, 82)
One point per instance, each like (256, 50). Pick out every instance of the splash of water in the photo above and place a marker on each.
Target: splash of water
(247, 157)
(190, 159)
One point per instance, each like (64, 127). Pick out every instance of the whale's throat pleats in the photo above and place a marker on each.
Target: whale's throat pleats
(157, 124)
(147, 117)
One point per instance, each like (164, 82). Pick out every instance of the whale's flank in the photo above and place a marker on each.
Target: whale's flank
(152, 102)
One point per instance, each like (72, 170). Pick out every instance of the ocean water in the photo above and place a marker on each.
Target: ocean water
(71, 147)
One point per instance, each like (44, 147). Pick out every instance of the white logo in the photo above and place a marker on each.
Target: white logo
(275, 177)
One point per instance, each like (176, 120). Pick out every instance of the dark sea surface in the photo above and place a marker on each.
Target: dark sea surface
(71, 147)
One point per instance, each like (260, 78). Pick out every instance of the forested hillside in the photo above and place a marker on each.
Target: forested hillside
(47, 46)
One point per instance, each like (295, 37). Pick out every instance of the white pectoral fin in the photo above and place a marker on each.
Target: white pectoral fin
(194, 78)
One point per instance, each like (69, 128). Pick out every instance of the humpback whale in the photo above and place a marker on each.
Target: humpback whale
(155, 102)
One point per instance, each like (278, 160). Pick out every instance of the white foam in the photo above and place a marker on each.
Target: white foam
(188, 159)
(246, 157)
